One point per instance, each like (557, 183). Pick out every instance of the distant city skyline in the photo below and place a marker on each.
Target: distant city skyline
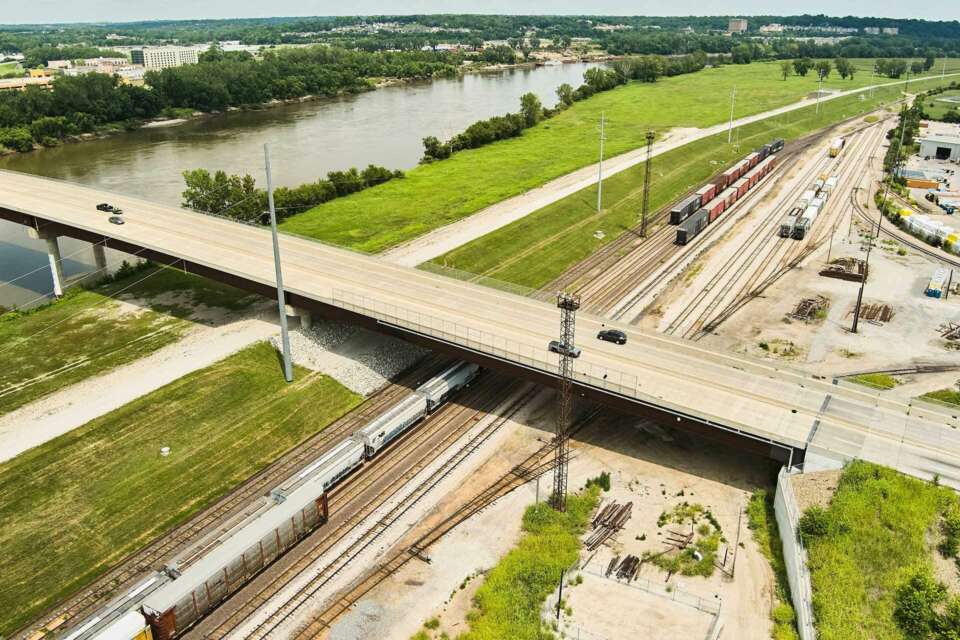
(54, 11)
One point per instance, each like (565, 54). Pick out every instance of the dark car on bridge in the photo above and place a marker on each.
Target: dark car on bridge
(613, 335)
(564, 350)
(107, 208)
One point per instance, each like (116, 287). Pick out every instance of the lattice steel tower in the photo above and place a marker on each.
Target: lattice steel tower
(568, 305)
(646, 185)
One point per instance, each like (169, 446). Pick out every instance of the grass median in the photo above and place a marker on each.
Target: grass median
(90, 332)
(536, 249)
(76, 505)
(433, 195)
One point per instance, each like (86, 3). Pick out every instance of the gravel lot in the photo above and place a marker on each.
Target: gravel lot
(360, 360)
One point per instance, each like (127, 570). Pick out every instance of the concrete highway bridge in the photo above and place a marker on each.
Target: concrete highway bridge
(754, 405)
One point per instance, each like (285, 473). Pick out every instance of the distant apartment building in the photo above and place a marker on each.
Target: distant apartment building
(164, 57)
(737, 25)
(772, 28)
(891, 31)
(872, 31)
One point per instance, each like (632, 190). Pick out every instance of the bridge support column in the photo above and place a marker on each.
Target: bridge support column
(100, 259)
(53, 256)
(305, 315)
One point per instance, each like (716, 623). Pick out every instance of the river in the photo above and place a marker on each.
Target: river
(383, 127)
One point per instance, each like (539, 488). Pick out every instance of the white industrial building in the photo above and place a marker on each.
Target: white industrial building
(941, 141)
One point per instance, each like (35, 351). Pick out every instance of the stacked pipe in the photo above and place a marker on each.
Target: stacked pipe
(607, 522)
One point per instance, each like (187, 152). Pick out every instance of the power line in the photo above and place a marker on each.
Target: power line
(53, 291)
(47, 266)
(85, 309)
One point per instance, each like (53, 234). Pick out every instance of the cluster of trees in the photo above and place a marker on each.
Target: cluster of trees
(238, 197)
(224, 80)
(596, 80)
(81, 104)
(908, 127)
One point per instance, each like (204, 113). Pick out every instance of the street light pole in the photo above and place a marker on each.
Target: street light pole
(819, 90)
(281, 297)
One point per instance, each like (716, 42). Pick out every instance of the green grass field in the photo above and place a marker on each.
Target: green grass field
(509, 600)
(882, 381)
(946, 396)
(433, 195)
(936, 108)
(875, 535)
(78, 504)
(86, 333)
(536, 249)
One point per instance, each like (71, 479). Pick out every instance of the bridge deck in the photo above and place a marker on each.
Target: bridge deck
(762, 399)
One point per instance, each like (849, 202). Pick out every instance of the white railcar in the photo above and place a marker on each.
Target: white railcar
(439, 388)
(387, 426)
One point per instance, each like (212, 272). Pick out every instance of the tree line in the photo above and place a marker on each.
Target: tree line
(532, 111)
(82, 104)
(238, 197)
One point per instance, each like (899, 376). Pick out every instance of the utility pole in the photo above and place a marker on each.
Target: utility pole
(819, 90)
(733, 101)
(281, 297)
(943, 71)
(883, 207)
(600, 170)
(646, 185)
(568, 304)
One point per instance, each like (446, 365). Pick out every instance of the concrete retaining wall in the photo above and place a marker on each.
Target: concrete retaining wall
(795, 556)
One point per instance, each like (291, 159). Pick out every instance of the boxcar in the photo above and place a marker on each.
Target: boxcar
(742, 186)
(685, 207)
(706, 193)
(714, 208)
(691, 227)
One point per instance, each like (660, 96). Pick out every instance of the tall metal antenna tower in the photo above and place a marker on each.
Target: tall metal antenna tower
(568, 305)
(646, 185)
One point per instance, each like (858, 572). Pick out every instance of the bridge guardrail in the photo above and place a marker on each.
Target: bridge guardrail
(487, 343)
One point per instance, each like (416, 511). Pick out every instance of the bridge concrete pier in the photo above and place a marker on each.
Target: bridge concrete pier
(53, 256)
(305, 315)
(100, 259)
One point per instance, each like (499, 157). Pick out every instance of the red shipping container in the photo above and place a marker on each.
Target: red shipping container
(715, 207)
(706, 193)
(742, 186)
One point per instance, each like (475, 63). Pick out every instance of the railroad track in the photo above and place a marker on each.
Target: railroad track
(766, 257)
(148, 559)
(536, 464)
(354, 501)
(620, 287)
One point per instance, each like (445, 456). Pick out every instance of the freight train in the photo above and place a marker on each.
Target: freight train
(169, 601)
(807, 208)
(694, 213)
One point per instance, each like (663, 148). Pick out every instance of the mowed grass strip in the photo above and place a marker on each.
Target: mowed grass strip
(76, 505)
(433, 195)
(539, 247)
(877, 536)
(87, 333)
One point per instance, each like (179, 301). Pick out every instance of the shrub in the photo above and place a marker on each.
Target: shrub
(814, 523)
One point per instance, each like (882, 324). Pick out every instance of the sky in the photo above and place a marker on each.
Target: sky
(47, 11)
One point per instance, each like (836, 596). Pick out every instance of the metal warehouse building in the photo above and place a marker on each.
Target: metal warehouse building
(941, 147)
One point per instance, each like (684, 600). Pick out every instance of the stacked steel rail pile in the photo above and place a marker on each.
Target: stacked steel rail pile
(608, 522)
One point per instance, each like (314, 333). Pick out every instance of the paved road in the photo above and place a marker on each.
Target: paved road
(760, 398)
(449, 237)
